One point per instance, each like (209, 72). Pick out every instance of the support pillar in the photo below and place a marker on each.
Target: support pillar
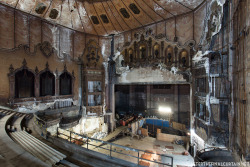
(148, 97)
(176, 103)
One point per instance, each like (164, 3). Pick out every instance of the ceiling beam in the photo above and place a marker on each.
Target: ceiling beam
(77, 8)
(152, 9)
(90, 19)
(144, 11)
(115, 17)
(183, 5)
(109, 17)
(99, 19)
(131, 13)
(163, 8)
(47, 8)
(70, 15)
(120, 15)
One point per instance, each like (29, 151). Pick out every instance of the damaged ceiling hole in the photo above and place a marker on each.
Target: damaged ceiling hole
(40, 8)
(53, 14)
(104, 18)
(94, 19)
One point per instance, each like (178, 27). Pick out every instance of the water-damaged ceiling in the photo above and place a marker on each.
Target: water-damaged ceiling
(104, 17)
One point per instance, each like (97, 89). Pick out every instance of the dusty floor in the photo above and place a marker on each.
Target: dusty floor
(151, 144)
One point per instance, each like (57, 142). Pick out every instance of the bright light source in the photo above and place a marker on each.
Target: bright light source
(165, 109)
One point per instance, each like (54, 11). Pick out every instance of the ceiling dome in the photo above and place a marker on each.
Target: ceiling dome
(103, 17)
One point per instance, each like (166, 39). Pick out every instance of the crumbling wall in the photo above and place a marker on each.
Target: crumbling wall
(150, 75)
(241, 53)
(231, 41)
(90, 125)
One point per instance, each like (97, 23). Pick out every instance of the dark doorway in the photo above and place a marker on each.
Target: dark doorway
(24, 84)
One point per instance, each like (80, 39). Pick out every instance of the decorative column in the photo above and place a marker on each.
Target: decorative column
(176, 103)
(57, 89)
(148, 97)
(111, 82)
(162, 52)
(37, 83)
(176, 57)
(12, 83)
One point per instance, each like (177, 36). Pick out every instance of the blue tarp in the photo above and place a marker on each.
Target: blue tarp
(157, 122)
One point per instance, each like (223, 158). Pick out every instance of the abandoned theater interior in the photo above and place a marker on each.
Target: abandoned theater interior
(124, 83)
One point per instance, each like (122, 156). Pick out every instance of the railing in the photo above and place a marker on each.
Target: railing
(69, 122)
(111, 148)
(41, 124)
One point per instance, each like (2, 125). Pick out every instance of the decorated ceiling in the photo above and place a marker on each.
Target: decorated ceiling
(104, 17)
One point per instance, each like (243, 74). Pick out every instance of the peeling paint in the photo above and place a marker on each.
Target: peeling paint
(149, 75)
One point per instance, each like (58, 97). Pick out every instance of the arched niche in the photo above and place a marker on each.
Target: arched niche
(66, 83)
(169, 55)
(183, 59)
(47, 83)
(142, 54)
(24, 84)
(156, 51)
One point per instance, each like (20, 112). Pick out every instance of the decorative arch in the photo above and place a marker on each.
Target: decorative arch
(169, 55)
(184, 58)
(156, 50)
(142, 50)
(22, 82)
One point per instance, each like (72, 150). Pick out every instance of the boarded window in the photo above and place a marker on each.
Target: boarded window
(47, 84)
(24, 84)
(124, 13)
(134, 8)
(95, 19)
(65, 84)
(104, 18)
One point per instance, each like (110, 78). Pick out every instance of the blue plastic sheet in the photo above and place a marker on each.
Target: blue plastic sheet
(157, 122)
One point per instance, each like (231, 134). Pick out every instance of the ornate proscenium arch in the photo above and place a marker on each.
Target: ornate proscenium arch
(158, 54)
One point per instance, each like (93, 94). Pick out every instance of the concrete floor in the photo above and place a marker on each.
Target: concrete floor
(148, 143)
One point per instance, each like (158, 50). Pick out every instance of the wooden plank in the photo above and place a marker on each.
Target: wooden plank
(111, 135)
(179, 126)
(171, 138)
